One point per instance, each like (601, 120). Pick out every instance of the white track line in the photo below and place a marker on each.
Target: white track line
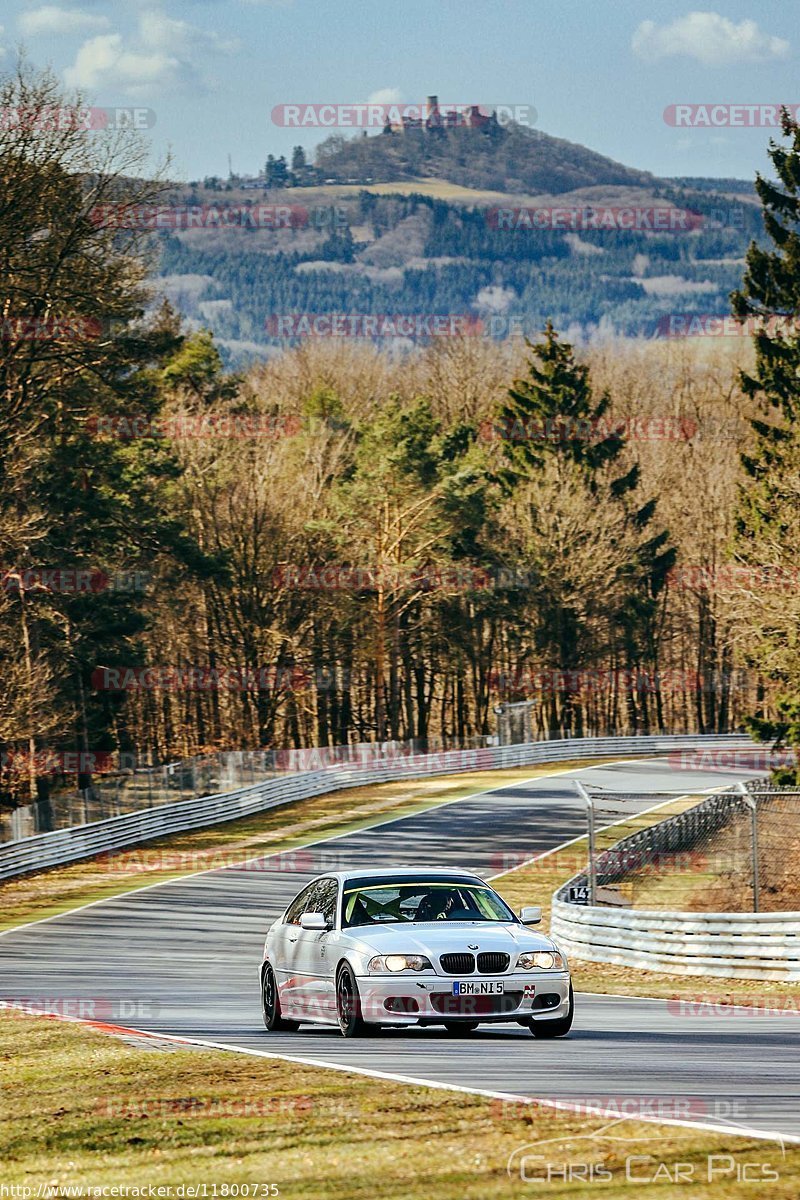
(395, 1077)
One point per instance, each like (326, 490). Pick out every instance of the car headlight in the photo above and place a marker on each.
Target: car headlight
(399, 962)
(544, 960)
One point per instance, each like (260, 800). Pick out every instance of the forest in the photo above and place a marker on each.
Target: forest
(419, 255)
(348, 544)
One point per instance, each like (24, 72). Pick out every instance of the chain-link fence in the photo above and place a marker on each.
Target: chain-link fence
(734, 851)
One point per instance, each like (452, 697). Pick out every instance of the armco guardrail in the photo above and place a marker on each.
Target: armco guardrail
(61, 846)
(730, 945)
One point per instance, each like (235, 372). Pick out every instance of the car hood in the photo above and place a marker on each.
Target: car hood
(439, 937)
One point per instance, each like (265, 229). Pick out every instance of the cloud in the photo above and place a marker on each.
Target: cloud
(163, 54)
(50, 19)
(161, 32)
(387, 95)
(104, 60)
(709, 38)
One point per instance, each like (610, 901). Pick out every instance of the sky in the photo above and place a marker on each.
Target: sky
(208, 75)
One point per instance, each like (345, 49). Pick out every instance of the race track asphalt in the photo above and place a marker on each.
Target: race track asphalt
(182, 958)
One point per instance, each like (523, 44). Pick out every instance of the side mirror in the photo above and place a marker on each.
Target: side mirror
(313, 920)
(531, 914)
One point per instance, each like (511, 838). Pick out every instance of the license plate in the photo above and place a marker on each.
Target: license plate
(477, 987)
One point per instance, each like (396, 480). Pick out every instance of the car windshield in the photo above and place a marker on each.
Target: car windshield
(375, 903)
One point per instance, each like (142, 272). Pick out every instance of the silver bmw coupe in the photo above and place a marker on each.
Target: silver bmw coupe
(368, 948)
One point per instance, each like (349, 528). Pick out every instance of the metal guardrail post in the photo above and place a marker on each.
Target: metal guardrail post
(592, 872)
(752, 804)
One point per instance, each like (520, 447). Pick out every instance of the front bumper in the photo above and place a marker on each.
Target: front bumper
(405, 999)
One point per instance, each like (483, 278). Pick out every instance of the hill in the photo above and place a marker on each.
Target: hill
(423, 237)
(510, 158)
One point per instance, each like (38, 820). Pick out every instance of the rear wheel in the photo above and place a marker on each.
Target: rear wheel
(460, 1028)
(558, 1028)
(271, 1005)
(348, 1005)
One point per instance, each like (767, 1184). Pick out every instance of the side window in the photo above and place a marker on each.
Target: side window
(298, 906)
(325, 900)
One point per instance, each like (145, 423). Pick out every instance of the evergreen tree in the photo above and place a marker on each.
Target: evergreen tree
(556, 431)
(276, 172)
(768, 519)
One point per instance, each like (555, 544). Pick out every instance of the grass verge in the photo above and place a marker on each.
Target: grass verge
(275, 830)
(717, 876)
(92, 1111)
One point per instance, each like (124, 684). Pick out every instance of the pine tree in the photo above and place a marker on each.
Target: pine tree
(554, 427)
(768, 522)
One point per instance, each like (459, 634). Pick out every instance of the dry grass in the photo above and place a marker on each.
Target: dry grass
(90, 1110)
(716, 875)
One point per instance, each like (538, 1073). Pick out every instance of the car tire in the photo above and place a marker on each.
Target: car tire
(461, 1028)
(271, 1005)
(348, 1005)
(557, 1028)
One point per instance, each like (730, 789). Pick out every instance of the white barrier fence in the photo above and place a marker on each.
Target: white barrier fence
(729, 945)
(61, 846)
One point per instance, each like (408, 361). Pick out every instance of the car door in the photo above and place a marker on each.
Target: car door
(312, 960)
(287, 950)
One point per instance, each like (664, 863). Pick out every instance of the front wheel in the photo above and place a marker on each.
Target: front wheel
(557, 1028)
(271, 1005)
(348, 1005)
